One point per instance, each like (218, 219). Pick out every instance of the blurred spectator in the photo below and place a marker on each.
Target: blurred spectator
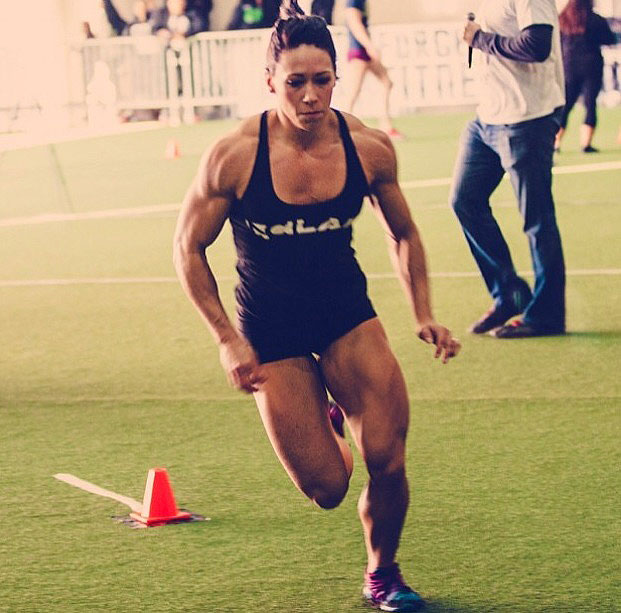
(203, 8)
(582, 33)
(117, 23)
(101, 97)
(323, 8)
(143, 22)
(364, 57)
(250, 14)
(93, 19)
(177, 21)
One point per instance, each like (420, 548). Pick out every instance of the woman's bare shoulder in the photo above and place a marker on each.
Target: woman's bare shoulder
(374, 147)
(228, 162)
(237, 144)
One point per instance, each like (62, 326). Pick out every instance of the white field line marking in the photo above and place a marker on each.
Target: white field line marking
(556, 170)
(106, 214)
(87, 281)
(587, 272)
(134, 505)
(173, 207)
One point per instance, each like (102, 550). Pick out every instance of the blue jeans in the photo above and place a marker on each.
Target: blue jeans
(525, 151)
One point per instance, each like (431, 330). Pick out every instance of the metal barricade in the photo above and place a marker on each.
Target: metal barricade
(227, 70)
(426, 63)
(125, 73)
(611, 86)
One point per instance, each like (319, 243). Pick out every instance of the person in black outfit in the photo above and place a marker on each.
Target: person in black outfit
(291, 182)
(203, 8)
(323, 8)
(177, 20)
(116, 21)
(582, 33)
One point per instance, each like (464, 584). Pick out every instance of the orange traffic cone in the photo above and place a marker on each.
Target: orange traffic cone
(159, 506)
(172, 151)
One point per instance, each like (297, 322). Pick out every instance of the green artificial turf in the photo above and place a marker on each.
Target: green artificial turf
(513, 451)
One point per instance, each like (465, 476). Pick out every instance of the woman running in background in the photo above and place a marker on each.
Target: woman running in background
(362, 57)
(582, 33)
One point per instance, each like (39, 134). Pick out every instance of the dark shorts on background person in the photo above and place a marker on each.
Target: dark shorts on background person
(358, 54)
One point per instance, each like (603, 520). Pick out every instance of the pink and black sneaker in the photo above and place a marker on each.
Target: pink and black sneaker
(386, 590)
(336, 418)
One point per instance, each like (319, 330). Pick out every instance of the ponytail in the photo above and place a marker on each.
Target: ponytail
(294, 28)
(289, 9)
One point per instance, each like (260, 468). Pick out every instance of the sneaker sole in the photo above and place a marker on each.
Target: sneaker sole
(368, 600)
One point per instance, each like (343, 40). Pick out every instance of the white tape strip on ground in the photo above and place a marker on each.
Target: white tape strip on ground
(106, 214)
(557, 170)
(134, 505)
(169, 208)
(587, 272)
(87, 281)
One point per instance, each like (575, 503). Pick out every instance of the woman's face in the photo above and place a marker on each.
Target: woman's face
(303, 81)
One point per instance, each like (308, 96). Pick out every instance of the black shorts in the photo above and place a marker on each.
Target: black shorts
(305, 331)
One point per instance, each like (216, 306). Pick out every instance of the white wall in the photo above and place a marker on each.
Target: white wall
(39, 76)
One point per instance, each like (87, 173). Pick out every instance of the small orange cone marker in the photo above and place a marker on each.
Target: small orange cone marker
(172, 151)
(159, 506)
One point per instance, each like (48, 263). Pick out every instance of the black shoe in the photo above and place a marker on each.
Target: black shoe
(494, 318)
(518, 329)
(514, 304)
(589, 149)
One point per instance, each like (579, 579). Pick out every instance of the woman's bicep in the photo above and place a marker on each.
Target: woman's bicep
(203, 214)
(387, 198)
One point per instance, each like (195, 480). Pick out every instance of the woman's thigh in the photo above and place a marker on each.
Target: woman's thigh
(379, 71)
(362, 374)
(293, 405)
(355, 71)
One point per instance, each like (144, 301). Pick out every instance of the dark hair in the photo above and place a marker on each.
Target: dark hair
(573, 17)
(293, 28)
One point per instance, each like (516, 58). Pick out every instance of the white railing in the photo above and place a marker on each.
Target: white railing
(426, 62)
(611, 89)
(126, 73)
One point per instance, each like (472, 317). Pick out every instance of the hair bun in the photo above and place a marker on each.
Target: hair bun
(290, 8)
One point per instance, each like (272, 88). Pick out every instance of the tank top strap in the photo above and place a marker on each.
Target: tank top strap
(355, 172)
(261, 170)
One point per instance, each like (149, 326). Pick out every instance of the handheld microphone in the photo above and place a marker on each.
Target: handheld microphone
(470, 17)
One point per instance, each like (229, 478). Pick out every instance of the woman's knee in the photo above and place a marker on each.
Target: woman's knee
(384, 454)
(327, 493)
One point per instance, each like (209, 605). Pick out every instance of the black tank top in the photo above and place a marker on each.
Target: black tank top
(292, 256)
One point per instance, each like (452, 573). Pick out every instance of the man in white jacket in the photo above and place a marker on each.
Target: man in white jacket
(518, 58)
